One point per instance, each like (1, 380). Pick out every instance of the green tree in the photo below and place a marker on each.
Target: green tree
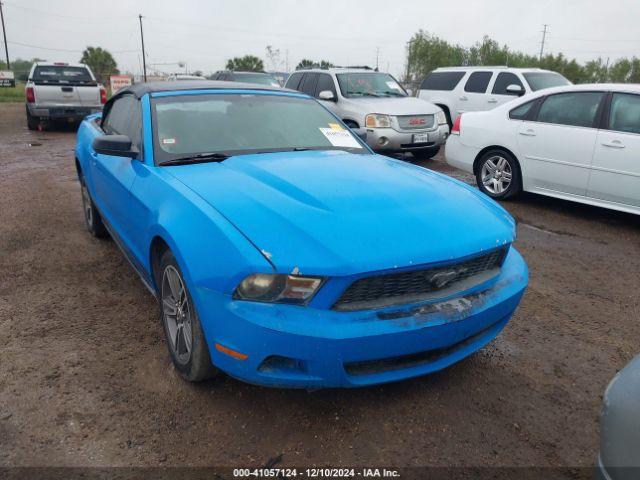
(101, 63)
(248, 63)
(305, 63)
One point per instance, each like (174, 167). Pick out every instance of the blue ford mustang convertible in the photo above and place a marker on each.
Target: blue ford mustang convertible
(281, 250)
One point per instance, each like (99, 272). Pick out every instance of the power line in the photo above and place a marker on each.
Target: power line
(40, 47)
(69, 17)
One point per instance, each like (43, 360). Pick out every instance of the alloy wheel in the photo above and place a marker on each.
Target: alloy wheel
(496, 174)
(177, 315)
(86, 205)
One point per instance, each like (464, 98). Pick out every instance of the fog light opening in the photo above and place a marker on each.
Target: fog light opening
(382, 141)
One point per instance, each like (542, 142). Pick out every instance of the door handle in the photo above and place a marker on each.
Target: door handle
(613, 144)
(528, 133)
(463, 98)
(492, 100)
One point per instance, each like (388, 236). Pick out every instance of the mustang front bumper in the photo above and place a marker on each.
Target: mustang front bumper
(292, 346)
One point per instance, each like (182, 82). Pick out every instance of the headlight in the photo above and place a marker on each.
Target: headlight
(276, 288)
(441, 117)
(377, 120)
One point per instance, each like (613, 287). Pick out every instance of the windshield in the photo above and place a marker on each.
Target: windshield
(364, 84)
(236, 124)
(259, 78)
(542, 80)
(60, 74)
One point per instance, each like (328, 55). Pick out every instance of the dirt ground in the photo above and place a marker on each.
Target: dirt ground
(85, 378)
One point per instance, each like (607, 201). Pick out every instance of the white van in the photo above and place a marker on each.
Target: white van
(471, 89)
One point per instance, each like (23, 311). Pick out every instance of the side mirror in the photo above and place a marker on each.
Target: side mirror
(115, 145)
(327, 95)
(514, 89)
(361, 133)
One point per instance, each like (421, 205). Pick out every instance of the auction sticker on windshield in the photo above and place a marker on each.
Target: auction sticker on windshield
(340, 138)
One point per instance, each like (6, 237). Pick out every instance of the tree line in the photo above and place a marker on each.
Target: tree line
(426, 52)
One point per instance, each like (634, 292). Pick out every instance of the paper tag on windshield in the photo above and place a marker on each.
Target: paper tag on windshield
(168, 141)
(336, 126)
(340, 138)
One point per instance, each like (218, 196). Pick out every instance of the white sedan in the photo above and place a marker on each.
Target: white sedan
(579, 142)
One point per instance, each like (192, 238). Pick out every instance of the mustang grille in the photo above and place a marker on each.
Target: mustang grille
(415, 122)
(401, 288)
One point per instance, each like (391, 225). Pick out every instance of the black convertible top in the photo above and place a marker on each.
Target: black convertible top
(141, 89)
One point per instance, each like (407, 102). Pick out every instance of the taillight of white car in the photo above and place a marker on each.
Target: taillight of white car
(455, 129)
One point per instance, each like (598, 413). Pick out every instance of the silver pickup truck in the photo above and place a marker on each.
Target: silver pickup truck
(61, 91)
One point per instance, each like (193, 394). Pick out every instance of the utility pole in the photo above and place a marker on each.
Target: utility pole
(544, 37)
(377, 57)
(4, 34)
(144, 59)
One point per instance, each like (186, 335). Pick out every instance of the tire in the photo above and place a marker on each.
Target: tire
(32, 122)
(426, 154)
(498, 175)
(185, 339)
(92, 218)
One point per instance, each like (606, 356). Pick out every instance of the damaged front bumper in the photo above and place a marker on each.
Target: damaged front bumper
(307, 347)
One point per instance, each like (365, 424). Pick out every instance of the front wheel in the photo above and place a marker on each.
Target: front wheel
(498, 175)
(425, 154)
(92, 218)
(183, 332)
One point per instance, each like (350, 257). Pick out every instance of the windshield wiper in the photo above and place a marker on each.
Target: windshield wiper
(198, 158)
(397, 94)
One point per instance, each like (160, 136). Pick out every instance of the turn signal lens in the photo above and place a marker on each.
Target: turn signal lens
(276, 288)
(441, 117)
(103, 96)
(377, 120)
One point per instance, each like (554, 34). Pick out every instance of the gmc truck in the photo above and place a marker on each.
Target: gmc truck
(61, 91)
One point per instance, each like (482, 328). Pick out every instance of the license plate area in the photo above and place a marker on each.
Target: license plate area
(421, 137)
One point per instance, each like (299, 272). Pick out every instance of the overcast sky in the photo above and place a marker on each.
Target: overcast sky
(205, 33)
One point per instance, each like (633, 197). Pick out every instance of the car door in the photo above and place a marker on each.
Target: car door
(325, 83)
(499, 94)
(473, 97)
(557, 148)
(615, 171)
(112, 175)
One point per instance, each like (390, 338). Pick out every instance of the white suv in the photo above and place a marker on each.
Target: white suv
(376, 103)
(471, 89)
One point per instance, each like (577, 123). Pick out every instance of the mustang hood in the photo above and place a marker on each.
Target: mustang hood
(337, 213)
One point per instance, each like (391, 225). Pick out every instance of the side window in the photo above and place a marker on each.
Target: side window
(624, 115)
(577, 109)
(522, 112)
(308, 84)
(125, 118)
(294, 81)
(503, 80)
(119, 116)
(446, 81)
(325, 82)
(135, 128)
(478, 82)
